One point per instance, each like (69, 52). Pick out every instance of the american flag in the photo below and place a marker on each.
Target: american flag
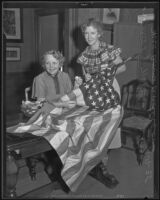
(80, 135)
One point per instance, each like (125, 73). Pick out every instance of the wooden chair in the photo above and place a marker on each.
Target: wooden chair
(138, 120)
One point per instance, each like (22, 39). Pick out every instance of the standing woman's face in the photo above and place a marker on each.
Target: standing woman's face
(91, 36)
(51, 65)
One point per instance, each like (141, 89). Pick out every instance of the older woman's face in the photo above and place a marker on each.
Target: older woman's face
(51, 65)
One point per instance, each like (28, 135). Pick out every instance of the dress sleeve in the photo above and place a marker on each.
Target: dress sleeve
(114, 52)
(110, 53)
(82, 59)
(38, 88)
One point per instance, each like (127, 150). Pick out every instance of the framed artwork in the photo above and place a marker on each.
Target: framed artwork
(12, 24)
(110, 15)
(13, 54)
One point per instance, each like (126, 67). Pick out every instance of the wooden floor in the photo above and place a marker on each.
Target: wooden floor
(134, 181)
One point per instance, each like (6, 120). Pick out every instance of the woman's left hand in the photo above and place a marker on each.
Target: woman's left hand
(117, 60)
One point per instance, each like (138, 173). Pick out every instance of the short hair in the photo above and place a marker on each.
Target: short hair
(96, 24)
(56, 54)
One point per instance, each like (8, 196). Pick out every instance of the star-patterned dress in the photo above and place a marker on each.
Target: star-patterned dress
(99, 92)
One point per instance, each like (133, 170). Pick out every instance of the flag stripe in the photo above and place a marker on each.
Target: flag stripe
(76, 179)
(84, 146)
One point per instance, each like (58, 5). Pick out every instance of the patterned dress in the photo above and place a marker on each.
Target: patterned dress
(99, 91)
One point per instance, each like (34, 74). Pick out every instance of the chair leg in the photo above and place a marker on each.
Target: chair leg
(31, 163)
(150, 138)
(138, 143)
(141, 150)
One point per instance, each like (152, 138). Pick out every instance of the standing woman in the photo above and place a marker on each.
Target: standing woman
(96, 57)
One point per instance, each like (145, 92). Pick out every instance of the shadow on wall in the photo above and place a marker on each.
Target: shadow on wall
(32, 71)
(75, 69)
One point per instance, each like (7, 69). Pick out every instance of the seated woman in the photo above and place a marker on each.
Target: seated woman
(52, 83)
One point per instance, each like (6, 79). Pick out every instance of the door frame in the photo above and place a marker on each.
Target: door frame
(63, 29)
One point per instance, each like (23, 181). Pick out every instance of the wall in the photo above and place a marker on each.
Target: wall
(27, 47)
(19, 74)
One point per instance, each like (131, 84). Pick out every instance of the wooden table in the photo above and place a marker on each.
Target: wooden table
(21, 146)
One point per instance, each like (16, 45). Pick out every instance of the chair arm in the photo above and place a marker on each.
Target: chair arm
(26, 93)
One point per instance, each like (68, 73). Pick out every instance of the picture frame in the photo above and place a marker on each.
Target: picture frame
(13, 54)
(12, 24)
(110, 15)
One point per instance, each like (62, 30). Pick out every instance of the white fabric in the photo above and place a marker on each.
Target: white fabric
(116, 142)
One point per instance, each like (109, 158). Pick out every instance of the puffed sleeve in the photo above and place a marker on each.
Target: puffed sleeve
(38, 88)
(110, 53)
(82, 59)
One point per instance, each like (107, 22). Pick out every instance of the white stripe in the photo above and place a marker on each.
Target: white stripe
(63, 157)
(79, 97)
(39, 120)
(65, 98)
(57, 111)
(40, 132)
(95, 125)
(58, 139)
(62, 126)
(22, 129)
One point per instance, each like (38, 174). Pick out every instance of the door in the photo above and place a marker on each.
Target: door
(49, 29)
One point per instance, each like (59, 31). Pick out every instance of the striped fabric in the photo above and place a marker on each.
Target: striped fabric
(81, 135)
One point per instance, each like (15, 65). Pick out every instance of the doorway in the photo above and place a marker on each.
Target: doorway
(51, 32)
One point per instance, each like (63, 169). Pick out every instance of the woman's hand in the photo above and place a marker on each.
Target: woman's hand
(117, 60)
(78, 82)
(87, 77)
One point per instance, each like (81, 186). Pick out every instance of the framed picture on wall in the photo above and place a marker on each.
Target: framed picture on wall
(110, 15)
(13, 54)
(12, 24)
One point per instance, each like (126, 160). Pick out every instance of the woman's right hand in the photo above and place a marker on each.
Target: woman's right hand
(78, 81)
(87, 77)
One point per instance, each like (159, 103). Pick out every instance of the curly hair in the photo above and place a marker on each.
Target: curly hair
(55, 54)
(96, 24)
